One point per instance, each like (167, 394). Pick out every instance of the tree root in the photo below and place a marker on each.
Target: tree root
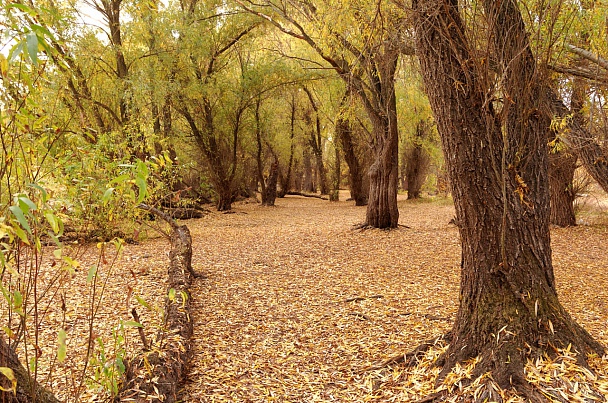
(409, 359)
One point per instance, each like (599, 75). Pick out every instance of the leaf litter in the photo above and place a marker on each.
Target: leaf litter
(294, 304)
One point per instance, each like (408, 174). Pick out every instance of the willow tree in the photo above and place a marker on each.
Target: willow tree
(496, 155)
(361, 42)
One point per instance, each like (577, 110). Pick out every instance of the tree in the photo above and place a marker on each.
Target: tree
(358, 181)
(315, 140)
(417, 160)
(497, 162)
(25, 389)
(362, 45)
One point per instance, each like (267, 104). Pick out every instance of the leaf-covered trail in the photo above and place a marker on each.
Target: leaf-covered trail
(294, 302)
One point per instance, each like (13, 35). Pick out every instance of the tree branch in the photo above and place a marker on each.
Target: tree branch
(588, 55)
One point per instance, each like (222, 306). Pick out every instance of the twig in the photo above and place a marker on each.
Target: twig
(357, 299)
(140, 329)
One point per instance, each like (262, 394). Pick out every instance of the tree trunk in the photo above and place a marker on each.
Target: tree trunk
(358, 191)
(224, 198)
(562, 165)
(286, 179)
(508, 300)
(27, 389)
(316, 144)
(271, 186)
(417, 161)
(382, 211)
(158, 375)
(308, 184)
(337, 174)
(581, 142)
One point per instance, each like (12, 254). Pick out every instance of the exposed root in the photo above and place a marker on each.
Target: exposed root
(409, 359)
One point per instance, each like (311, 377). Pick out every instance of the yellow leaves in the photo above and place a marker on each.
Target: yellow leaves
(10, 375)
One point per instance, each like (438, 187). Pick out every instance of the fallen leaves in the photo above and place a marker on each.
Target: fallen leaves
(294, 304)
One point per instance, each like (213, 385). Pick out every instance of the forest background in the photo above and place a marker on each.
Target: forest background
(190, 103)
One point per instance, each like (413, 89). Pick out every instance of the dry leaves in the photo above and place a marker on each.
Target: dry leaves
(294, 303)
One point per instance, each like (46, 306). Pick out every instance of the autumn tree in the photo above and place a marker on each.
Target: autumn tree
(362, 45)
(496, 155)
(353, 137)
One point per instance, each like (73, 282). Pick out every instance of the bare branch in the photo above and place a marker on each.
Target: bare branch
(579, 72)
(588, 55)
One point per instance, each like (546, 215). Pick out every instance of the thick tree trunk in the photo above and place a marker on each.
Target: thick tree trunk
(562, 165)
(27, 389)
(508, 300)
(382, 211)
(224, 198)
(358, 191)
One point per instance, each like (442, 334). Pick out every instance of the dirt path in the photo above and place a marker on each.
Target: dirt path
(295, 302)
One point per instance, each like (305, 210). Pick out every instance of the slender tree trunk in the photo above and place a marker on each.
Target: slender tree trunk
(308, 184)
(258, 155)
(337, 174)
(316, 144)
(28, 390)
(508, 300)
(271, 187)
(285, 180)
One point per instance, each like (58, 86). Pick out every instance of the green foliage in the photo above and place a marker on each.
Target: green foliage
(108, 365)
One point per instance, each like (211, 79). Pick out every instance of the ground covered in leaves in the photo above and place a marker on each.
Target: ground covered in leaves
(295, 305)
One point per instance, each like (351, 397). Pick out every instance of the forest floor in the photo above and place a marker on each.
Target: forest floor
(294, 304)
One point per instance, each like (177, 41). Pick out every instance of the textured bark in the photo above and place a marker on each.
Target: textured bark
(382, 211)
(28, 390)
(258, 155)
(337, 175)
(356, 177)
(159, 375)
(308, 184)
(498, 169)
(561, 175)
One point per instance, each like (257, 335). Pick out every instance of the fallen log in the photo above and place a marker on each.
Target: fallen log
(307, 195)
(157, 375)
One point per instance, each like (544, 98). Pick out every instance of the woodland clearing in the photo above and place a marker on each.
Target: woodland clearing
(294, 304)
